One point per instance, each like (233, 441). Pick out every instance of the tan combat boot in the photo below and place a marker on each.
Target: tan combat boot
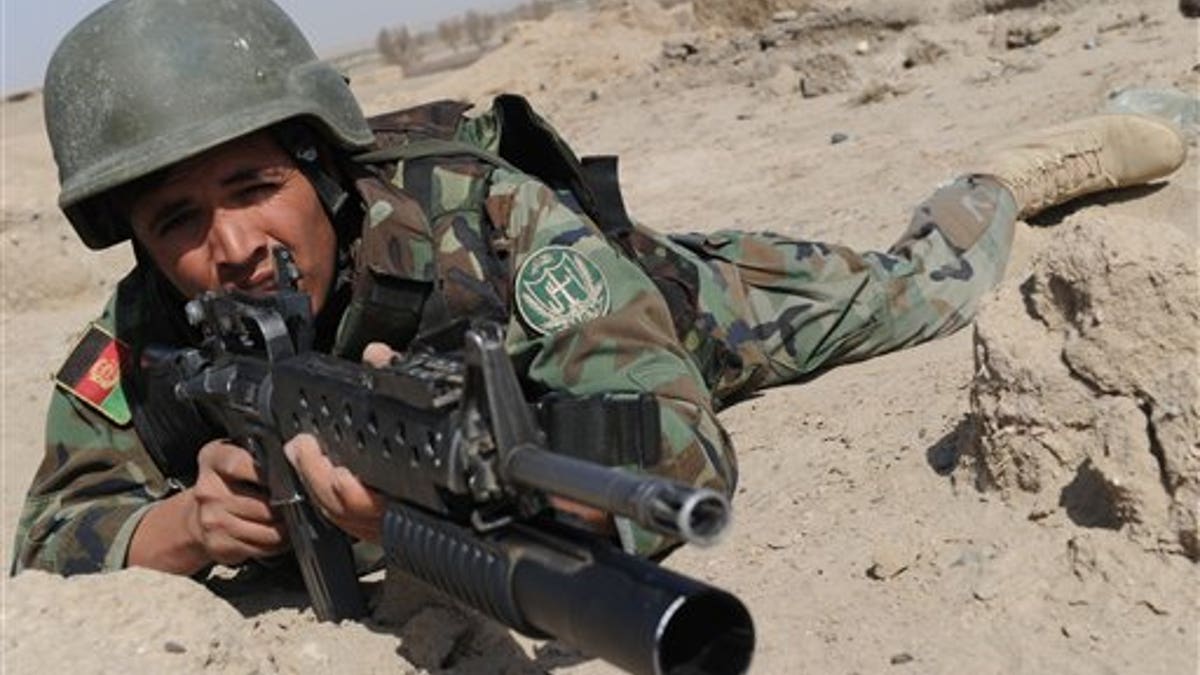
(1058, 164)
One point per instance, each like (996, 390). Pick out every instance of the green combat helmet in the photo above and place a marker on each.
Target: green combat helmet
(142, 84)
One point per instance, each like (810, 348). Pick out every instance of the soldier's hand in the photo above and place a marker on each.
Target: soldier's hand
(232, 518)
(339, 494)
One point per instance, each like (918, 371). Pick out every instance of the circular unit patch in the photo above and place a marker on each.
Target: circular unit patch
(558, 287)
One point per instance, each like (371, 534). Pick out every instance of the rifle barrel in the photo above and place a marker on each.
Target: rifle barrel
(696, 515)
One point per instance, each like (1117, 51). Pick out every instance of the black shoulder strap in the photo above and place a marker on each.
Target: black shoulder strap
(601, 174)
(531, 144)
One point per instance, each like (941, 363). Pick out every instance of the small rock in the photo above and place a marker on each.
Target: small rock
(1190, 8)
(173, 647)
(679, 50)
(1156, 608)
(901, 659)
(874, 92)
(1031, 33)
(1085, 562)
(838, 137)
(922, 53)
(1092, 43)
(1126, 22)
(785, 16)
(593, 96)
(862, 47)
(943, 457)
(824, 73)
(999, 34)
(1182, 108)
(889, 562)
(986, 589)
(783, 83)
(1039, 513)
(768, 40)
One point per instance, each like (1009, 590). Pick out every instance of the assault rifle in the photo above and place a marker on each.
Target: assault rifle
(451, 441)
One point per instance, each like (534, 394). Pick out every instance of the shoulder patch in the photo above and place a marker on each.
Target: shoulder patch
(558, 287)
(92, 374)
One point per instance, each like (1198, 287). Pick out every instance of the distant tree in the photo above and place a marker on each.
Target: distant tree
(398, 47)
(540, 9)
(451, 32)
(425, 39)
(479, 27)
(383, 44)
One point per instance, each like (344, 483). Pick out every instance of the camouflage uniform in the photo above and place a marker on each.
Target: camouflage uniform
(696, 319)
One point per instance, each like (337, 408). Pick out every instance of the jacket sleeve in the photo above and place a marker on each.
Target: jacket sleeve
(623, 339)
(95, 483)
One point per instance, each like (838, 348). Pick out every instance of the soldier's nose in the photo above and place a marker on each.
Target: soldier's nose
(235, 241)
(238, 247)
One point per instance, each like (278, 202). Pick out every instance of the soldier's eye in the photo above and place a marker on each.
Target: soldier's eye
(175, 221)
(257, 191)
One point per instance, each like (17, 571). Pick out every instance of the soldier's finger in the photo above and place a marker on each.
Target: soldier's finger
(362, 508)
(235, 547)
(248, 503)
(592, 518)
(378, 355)
(314, 469)
(230, 461)
(258, 536)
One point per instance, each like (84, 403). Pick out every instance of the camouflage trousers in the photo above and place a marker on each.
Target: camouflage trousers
(772, 310)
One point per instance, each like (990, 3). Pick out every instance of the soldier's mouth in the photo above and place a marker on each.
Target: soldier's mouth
(263, 283)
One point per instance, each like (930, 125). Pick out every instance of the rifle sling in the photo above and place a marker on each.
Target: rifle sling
(611, 429)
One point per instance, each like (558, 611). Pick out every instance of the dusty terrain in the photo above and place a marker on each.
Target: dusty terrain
(1016, 498)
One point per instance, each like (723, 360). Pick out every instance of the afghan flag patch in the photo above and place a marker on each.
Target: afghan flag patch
(92, 374)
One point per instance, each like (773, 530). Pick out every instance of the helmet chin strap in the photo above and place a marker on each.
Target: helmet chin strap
(300, 142)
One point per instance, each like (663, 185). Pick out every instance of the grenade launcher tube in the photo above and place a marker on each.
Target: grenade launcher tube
(632, 613)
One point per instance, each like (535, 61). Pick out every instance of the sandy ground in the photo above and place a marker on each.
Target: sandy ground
(862, 542)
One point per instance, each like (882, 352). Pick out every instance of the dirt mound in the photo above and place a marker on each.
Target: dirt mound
(545, 56)
(758, 13)
(813, 17)
(821, 50)
(171, 624)
(144, 638)
(1085, 388)
(742, 13)
(45, 265)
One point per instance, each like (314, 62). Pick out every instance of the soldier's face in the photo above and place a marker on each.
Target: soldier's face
(212, 222)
